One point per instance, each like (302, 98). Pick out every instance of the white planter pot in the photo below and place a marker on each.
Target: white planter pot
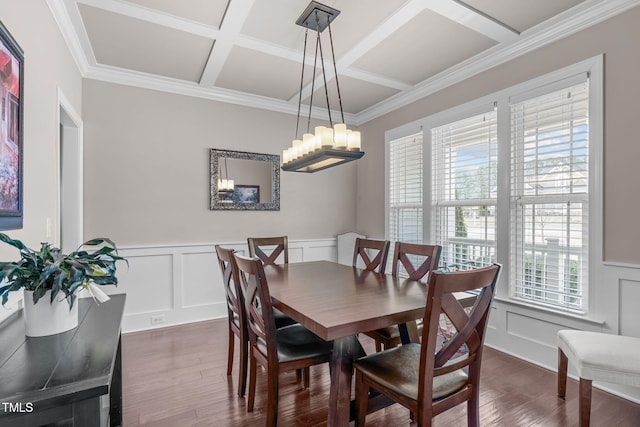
(46, 318)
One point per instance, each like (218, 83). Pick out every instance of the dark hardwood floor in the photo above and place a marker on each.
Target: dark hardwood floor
(177, 377)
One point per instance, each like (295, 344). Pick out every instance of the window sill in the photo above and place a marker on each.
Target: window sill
(548, 310)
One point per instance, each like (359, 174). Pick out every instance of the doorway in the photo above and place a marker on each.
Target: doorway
(70, 176)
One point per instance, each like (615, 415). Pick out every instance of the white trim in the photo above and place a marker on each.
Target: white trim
(61, 16)
(78, 125)
(235, 17)
(500, 100)
(621, 264)
(153, 16)
(583, 16)
(179, 87)
(596, 178)
(580, 17)
(474, 19)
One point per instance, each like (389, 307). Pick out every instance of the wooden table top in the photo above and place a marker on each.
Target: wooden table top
(335, 301)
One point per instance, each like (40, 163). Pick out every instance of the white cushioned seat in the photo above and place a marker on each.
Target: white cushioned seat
(597, 357)
(603, 357)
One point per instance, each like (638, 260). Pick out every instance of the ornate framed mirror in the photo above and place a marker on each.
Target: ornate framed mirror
(242, 180)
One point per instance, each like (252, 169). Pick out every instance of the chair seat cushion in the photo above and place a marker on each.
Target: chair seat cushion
(282, 319)
(602, 357)
(297, 342)
(397, 369)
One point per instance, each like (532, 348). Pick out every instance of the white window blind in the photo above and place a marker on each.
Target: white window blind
(464, 191)
(550, 197)
(405, 190)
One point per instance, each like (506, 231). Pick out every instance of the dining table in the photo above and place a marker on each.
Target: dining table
(337, 302)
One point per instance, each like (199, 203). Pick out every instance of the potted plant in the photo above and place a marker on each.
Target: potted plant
(50, 275)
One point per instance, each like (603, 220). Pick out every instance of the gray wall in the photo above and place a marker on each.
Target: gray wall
(618, 39)
(48, 68)
(147, 171)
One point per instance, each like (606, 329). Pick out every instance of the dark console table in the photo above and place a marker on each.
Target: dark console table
(73, 378)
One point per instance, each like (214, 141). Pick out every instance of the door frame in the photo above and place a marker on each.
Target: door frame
(70, 123)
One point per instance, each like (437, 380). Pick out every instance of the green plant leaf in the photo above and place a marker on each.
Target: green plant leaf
(50, 269)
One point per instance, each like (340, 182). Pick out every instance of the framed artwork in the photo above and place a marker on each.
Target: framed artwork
(247, 193)
(241, 194)
(11, 140)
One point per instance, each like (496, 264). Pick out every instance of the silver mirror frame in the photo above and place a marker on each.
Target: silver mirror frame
(214, 173)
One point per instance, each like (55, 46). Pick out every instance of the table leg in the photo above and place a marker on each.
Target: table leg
(345, 350)
(115, 391)
(409, 332)
(86, 412)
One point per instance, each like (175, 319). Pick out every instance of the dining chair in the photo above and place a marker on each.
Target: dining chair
(597, 356)
(406, 256)
(423, 380)
(280, 246)
(235, 313)
(277, 246)
(277, 350)
(365, 247)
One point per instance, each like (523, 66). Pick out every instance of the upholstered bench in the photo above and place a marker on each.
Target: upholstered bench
(597, 357)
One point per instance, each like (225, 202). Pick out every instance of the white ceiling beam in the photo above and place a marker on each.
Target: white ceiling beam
(578, 18)
(471, 18)
(375, 79)
(154, 16)
(234, 19)
(269, 48)
(384, 30)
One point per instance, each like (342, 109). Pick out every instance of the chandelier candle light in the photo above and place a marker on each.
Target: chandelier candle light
(226, 185)
(327, 146)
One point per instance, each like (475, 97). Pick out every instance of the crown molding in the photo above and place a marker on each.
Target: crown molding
(578, 18)
(561, 26)
(61, 16)
(165, 84)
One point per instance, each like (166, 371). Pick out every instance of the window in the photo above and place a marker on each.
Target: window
(405, 214)
(550, 197)
(464, 191)
(515, 178)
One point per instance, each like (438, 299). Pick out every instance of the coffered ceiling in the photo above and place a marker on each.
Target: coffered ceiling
(249, 52)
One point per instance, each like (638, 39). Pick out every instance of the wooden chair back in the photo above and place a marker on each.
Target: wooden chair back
(427, 255)
(231, 282)
(470, 331)
(257, 244)
(261, 326)
(364, 247)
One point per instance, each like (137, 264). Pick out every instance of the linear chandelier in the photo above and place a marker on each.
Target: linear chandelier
(226, 185)
(327, 146)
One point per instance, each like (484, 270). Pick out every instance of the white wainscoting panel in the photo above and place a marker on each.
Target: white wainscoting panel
(530, 333)
(147, 282)
(171, 285)
(629, 298)
(199, 270)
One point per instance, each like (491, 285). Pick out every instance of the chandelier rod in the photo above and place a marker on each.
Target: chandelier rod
(335, 70)
(313, 82)
(324, 73)
(304, 56)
